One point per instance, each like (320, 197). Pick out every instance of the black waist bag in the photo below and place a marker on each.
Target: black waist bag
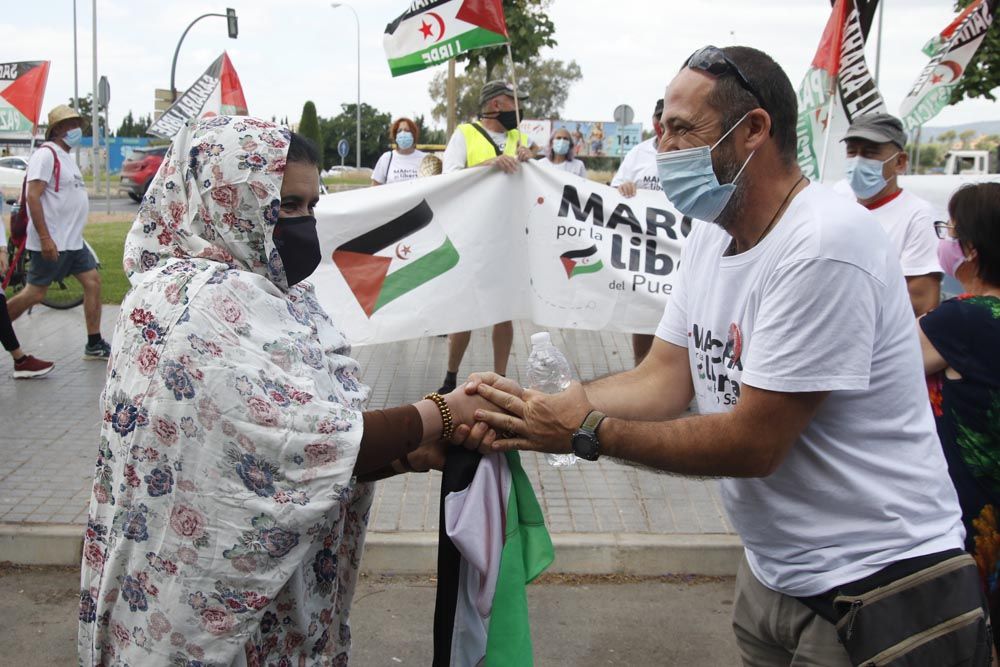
(934, 616)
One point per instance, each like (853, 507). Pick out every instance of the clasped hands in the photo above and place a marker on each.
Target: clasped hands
(495, 414)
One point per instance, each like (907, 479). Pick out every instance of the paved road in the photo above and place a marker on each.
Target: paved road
(579, 621)
(118, 204)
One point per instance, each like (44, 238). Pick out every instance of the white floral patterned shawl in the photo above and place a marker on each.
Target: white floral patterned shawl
(225, 526)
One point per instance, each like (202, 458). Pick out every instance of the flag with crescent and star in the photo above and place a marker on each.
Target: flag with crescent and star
(431, 32)
(836, 89)
(395, 258)
(950, 53)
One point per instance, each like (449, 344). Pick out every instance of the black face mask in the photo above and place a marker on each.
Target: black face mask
(506, 118)
(298, 246)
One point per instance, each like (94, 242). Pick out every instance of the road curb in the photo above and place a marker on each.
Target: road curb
(638, 554)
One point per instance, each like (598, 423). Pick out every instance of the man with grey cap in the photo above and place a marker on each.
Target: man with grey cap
(493, 140)
(876, 156)
(58, 205)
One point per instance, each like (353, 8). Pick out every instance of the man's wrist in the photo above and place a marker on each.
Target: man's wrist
(603, 434)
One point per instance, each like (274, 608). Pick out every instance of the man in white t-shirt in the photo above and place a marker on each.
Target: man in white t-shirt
(638, 172)
(57, 207)
(876, 157)
(792, 329)
(638, 168)
(493, 141)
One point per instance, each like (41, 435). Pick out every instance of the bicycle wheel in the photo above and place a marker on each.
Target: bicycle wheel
(17, 273)
(64, 294)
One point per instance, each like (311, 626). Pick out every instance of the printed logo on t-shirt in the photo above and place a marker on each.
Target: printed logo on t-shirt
(718, 363)
(403, 174)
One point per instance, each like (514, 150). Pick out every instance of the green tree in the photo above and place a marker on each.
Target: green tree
(530, 30)
(309, 127)
(948, 137)
(931, 155)
(966, 137)
(990, 141)
(547, 81)
(374, 134)
(84, 107)
(132, 127)
(982, 75)
(428, 134)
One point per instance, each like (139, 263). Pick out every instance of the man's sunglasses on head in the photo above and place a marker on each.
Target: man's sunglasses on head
(713, 60)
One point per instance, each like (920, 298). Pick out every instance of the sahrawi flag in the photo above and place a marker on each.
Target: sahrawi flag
(836, 89)
(950, 53)
(395, 258)
(577, 262)
(216, 93)
(22, 87)
(434, 31)
(492, 543)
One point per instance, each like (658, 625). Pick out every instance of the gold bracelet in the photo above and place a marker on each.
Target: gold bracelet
(447, 422)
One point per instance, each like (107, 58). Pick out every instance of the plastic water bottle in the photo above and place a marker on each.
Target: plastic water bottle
(549, 372)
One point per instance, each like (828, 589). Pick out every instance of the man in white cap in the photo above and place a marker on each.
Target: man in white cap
(57, 204)
(492, 141)
(876, 157)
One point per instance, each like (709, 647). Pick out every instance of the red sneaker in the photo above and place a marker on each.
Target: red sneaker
(30, 367)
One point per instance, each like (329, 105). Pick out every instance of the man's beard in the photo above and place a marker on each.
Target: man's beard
(727, 166)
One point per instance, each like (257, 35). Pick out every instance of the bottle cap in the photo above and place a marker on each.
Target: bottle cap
(541, 338)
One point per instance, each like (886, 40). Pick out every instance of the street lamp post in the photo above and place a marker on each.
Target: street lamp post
(95, 122)
(357, 20)
(76, 82)
(232, 25)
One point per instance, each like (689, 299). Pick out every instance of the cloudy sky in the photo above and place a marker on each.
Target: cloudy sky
(294, 50)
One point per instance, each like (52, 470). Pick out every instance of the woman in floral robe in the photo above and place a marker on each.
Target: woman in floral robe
(227, 524)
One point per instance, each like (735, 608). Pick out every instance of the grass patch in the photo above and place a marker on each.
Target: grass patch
(108, 241)
(107, 237)
(347, 180)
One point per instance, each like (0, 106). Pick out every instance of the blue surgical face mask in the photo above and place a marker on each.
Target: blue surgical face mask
(865, 175)
(689, 181)
(560, 146)
(404, 139)
(73, 137)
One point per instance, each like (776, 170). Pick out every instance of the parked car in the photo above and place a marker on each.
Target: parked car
(12, 171)
(138, 170)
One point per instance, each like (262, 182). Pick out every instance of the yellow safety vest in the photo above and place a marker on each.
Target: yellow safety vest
(478, 149)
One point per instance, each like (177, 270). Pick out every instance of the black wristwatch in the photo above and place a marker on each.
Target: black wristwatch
(585, 442)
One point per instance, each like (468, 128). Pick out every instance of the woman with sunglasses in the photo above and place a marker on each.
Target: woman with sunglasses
(959, 340)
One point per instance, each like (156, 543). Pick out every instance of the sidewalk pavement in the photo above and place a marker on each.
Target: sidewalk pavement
(605, 517)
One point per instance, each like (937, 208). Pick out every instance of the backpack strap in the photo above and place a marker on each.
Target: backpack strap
(56, 165)
(56, 173)
(482, 131)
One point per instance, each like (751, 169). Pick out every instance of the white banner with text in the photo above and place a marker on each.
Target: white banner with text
(469, 249)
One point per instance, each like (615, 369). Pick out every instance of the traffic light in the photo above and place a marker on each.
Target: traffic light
(234, 29)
